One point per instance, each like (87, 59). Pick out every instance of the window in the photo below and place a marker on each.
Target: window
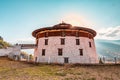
(46, 34)
(89, 36)
(81, 52)
(59, 52)
(62, 41)
(43, 52)
(77, 42)
(90, 44)
(66, 60)
(46, 41)
(77, 34)
(63, 34)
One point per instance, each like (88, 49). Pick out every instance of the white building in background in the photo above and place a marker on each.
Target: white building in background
(12, 52)
(64, 43)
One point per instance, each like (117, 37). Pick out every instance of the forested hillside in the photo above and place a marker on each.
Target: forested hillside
(3, 44)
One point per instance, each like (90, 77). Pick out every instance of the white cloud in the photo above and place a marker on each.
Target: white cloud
(111, 33)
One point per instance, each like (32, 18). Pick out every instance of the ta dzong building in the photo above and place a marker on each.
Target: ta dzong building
(64, 43)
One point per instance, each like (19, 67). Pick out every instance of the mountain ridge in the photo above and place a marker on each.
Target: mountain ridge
(108, 48)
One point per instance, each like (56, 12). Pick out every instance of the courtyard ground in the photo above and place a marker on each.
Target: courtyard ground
(15, 70)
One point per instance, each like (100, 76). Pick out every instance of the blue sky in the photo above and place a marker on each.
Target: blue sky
(18, 18)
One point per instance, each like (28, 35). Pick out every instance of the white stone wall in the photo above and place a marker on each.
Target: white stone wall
(15, 53)
(70, 50)
(5, 52)
(11, 51)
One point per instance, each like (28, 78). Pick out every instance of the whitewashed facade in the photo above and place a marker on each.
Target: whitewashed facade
(11, 52)
(5, 51)
(71, 51)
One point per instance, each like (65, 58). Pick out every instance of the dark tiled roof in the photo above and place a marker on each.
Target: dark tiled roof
(64, 26)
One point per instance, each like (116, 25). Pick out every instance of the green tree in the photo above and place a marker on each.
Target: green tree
(24, 55)
(1, 38)
(4, 44)
(30, 57)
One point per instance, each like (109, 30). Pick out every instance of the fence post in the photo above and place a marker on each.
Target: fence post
(101, 61)
(115, 60)
(90, 59)
(104, 59)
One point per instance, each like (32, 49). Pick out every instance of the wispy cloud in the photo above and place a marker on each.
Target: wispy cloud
(111, 33)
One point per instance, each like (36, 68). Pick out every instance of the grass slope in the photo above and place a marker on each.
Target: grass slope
(12, 70)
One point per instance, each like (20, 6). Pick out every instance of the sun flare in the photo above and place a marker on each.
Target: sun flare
(75, 20)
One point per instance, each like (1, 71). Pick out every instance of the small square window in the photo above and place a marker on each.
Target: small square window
(60, 52)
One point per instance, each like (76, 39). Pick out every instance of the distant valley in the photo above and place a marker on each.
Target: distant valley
(108, 48)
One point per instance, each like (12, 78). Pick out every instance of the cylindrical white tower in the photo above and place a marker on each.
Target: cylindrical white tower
(64, 43)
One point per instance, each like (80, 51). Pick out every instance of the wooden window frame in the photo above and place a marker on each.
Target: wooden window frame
(77, 33)
(43, 52)
(77, 41)
(81, 52)
(63, 33)
(90, 45)
(46, 34)
(62, 41)
(46, 41)
(60, 51)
